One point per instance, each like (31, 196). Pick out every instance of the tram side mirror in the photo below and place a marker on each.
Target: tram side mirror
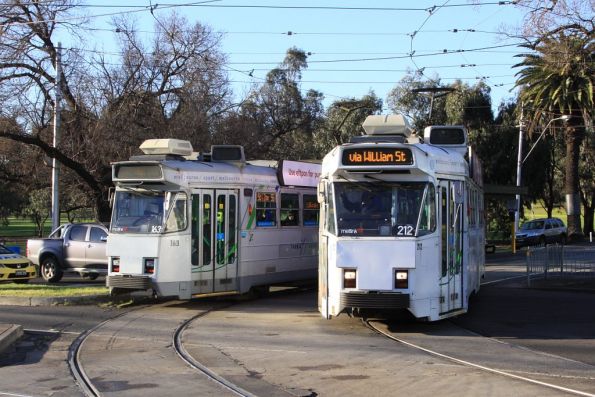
(321, 192)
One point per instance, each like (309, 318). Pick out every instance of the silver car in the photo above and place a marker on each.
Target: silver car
(541, 231)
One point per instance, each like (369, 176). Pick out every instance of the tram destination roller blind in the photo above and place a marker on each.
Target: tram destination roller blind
(138, 172)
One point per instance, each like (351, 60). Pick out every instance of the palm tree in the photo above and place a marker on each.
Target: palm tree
(558, 78)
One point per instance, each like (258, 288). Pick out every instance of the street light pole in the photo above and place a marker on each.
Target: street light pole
(520, 162)
(55, 163)
(519, 166)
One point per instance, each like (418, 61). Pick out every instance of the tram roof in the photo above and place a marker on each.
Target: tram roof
(425, 159)
(189, 173)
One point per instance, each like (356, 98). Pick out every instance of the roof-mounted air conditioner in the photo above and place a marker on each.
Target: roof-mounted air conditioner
(166, 146)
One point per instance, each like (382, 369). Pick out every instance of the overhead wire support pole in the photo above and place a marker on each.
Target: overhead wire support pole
(519, 166)
(57, 122)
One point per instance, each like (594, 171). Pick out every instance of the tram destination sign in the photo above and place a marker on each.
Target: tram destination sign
(377, 156)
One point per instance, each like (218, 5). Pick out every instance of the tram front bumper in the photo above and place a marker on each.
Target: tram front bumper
(129, 282)
(374, 300)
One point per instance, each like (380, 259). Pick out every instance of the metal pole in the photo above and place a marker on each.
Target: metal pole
(57, 121)
(518, 181)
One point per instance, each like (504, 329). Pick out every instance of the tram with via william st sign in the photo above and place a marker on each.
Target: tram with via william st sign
(402, 222)
(185, 226)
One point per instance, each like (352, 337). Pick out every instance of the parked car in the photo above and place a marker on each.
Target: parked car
(15, 267)
(73, 247)
(541, 231)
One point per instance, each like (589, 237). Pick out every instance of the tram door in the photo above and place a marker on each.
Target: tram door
(451, 276)
(214, 240)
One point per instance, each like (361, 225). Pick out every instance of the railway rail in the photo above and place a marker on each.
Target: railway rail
(372, 324)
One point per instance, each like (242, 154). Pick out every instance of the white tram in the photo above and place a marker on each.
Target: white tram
(402, 222)
(184, 226)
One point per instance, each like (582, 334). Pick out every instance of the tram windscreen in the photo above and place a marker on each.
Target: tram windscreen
(138, 212)
(403, 209)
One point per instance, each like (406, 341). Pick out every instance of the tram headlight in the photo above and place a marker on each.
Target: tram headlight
(150, 265)
(116, 265)
(401, 279)
(349, 278)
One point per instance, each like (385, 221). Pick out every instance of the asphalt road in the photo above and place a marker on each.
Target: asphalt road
(279, 345)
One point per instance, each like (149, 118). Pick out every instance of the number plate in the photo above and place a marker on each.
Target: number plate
(20, 273)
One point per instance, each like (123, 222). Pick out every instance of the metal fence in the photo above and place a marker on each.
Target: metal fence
(560, 262)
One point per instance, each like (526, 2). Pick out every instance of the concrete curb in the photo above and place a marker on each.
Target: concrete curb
(9, 333)
(70, 300)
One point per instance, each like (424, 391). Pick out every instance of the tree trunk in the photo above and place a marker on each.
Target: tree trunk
(574, 138)
(103, 211)
(589, 214)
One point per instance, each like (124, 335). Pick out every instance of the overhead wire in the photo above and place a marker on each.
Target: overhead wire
(411, 55)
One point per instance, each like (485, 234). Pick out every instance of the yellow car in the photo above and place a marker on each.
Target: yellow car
(15, 267)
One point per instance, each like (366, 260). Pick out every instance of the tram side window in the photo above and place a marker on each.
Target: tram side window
(311, 210)
(177, 216)
(290, 209)
(266, 209)
(427, 220)
(330, 211)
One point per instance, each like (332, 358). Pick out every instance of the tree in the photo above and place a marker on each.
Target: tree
(172, 87)
(587, 174)
(38, 208)
(416, 106)
(279, 114)
(470, 106)
(344, 119)
(558, 78)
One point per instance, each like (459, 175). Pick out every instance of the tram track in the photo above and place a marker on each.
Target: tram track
(89, 389)
(193, 363)
(74, 361)
(370, 325)
(185, 356)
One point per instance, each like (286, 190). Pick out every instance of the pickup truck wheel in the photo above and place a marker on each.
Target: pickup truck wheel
(50, 270)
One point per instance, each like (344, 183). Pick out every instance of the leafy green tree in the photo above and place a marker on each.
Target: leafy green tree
(558, 78)
(470, 106)
(344, 119)
(38, 208)
(279, 115)
(416, 105)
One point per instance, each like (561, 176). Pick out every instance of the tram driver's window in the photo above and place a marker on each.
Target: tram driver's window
(290, 209)
(266, 209)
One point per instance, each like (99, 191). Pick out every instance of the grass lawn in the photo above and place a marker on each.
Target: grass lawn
(537, 211)
(19, 230)
(49, 291)
(23, 227)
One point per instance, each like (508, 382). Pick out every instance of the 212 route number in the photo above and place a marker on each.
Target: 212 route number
(405, 230)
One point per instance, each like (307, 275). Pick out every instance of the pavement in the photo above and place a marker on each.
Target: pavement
(9, 333)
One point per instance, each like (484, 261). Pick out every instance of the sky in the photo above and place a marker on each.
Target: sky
(354, 46)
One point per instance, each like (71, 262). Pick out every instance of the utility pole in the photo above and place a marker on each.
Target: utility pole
(519, 166)
(57, 122)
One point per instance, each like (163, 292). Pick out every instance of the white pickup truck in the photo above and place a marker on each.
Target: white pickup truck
(74, 248)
